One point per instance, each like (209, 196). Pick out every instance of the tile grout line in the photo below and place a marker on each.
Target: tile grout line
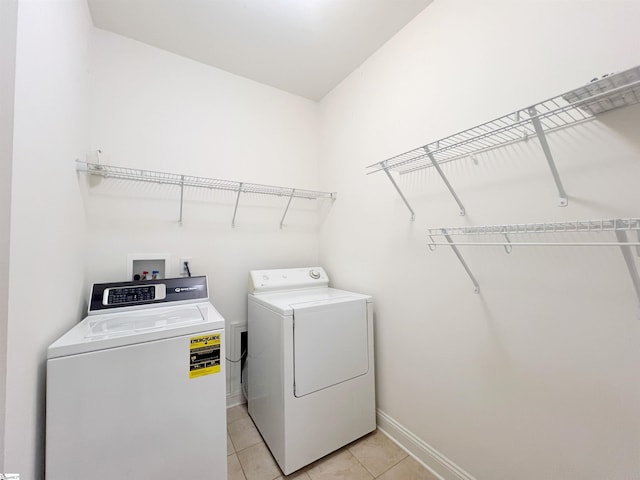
(392, 466)
(348, 448)
(247, 447)
(235, 450)
(244, 474)
(358, 460)
(305, 470)
(384, 471)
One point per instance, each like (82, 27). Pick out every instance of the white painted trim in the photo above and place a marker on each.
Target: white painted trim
(434, 461)
(237, 399)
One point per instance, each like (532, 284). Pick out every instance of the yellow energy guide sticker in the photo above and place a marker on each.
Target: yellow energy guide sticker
(204, 355)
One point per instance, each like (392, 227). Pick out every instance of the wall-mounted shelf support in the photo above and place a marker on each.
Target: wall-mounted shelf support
(507, 247)
(235, 209)
(444, 177)
(393, 182)
(287, 207)
(621, 235)
(181, 196)
(525, 132)
(533, 113)
(574, 107)
(182, 181)
(620, 226)
(451, 243)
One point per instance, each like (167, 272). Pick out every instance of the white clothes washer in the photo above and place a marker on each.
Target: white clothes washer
(137, 389)
(310, 366)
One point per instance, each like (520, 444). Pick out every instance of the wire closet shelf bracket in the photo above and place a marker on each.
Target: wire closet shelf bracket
(182, 181)
(576, 106)
(620, 227)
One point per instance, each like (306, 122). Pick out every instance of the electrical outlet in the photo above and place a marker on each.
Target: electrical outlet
(182, 269)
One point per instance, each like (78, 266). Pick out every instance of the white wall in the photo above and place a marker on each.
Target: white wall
(157, 111)
(8, 24)
(47, 253)
(536, 377)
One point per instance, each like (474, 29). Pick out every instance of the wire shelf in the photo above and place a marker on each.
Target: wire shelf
(621, 227)
(613, 91)
(610, 225)
(123, 173)
(182, 181)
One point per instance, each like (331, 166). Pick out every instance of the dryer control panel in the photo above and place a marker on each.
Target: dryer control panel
(287, 279)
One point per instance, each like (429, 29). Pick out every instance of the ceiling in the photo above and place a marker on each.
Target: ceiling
(305, 47)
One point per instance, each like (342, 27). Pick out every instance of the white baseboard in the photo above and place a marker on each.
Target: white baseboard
(433, 460)
(237, 399)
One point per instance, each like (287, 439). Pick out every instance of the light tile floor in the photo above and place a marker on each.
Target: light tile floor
(373, 456)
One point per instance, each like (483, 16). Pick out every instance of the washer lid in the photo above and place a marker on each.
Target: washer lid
(283, 302)
(110, 326)
(99, 332)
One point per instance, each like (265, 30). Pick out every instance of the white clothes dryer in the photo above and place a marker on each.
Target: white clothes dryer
(137, 389)
(310, 366)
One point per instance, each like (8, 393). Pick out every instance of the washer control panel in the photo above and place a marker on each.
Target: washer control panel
(133, 295)
(287, 279)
